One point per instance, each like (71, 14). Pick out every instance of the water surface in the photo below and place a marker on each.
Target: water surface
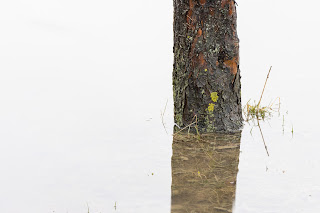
(83, 87)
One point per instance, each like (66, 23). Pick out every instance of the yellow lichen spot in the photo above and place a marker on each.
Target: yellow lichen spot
(205, 70)
(214, 96)
(211, 107)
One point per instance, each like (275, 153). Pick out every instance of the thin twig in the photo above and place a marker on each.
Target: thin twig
(188, 125)
(264, 87)
(184, 128)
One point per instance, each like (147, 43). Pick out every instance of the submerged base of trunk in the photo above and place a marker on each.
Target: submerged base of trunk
(204, 172)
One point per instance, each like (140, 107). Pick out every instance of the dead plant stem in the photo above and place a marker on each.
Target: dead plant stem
(264, 87)
(162, 115)
(264, 142)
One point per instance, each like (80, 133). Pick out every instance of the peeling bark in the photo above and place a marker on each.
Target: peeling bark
(206, 64)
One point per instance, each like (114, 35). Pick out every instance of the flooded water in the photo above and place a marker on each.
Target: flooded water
(204, 172)
(86, 112)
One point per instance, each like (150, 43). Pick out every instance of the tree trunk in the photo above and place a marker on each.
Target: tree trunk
(206, 75)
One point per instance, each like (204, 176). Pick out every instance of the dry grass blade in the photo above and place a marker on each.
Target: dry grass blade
(264, 142)
(162, 115)
(264, 86)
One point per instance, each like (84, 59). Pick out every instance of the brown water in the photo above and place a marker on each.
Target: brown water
(204, 172)
(83, 88)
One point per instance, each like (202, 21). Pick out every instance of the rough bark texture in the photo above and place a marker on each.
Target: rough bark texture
(204, 173)
(206, 75)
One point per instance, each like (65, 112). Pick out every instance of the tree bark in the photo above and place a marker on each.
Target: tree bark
(206, 75)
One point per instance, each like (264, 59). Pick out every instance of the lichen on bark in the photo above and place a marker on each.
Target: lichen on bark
(206, 62)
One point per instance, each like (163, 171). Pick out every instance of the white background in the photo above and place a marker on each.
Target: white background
(82, 84)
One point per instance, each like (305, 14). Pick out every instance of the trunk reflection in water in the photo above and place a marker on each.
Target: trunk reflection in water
(204, 172)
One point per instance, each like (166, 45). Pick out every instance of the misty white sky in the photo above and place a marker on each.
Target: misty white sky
(56, 50)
